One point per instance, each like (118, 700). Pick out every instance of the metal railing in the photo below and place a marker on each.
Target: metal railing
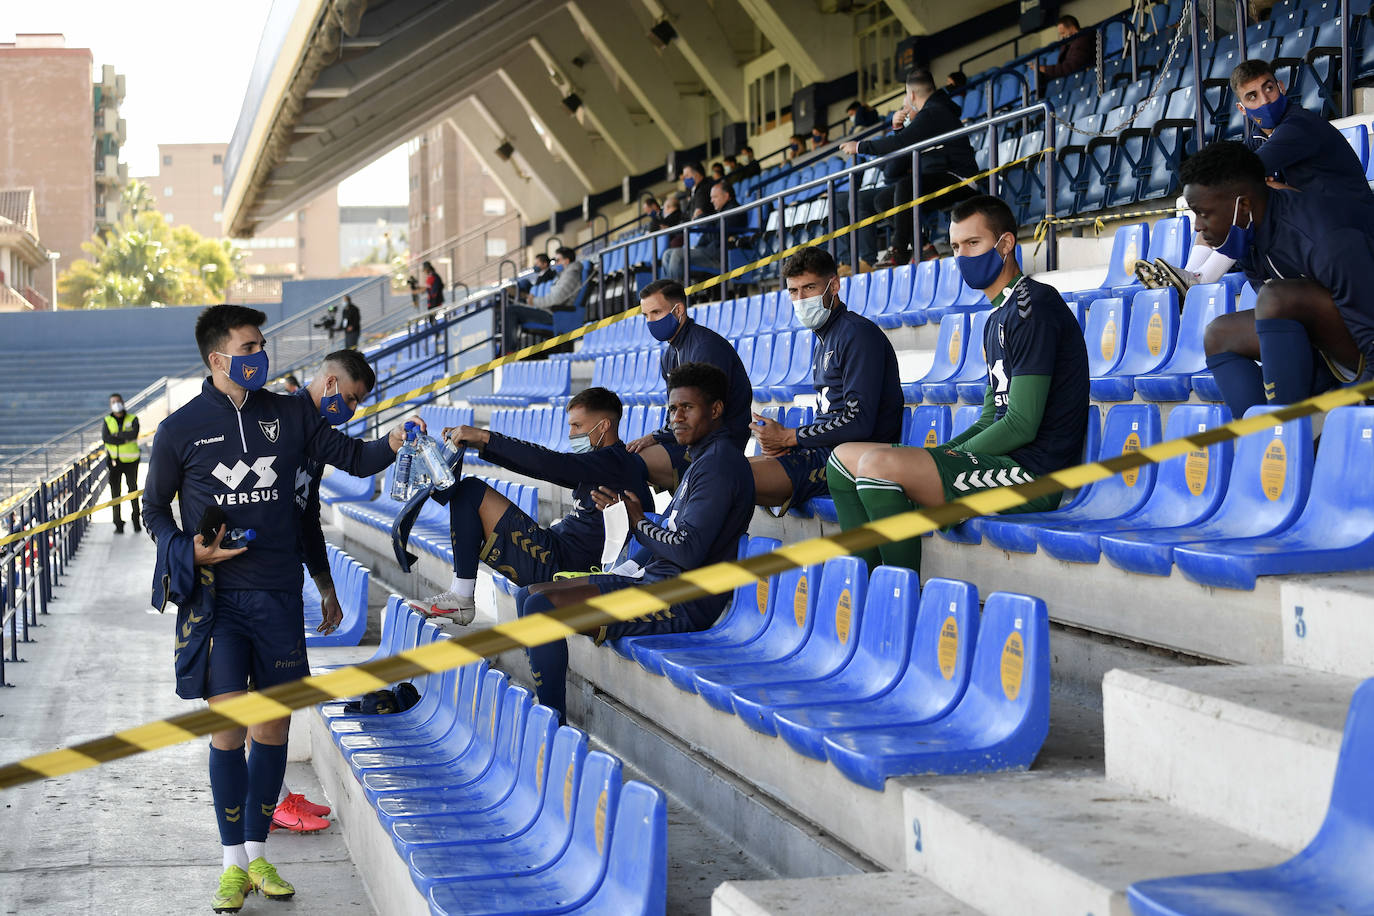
(447, 250)
(777, 203)
(32, 567)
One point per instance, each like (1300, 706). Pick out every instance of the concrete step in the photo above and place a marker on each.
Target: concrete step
(1251, 747)
(886, 892)
(1328, 623)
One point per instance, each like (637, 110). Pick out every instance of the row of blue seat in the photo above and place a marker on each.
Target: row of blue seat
(350, 587)
(493, 806)
(878, 675)
(529, 381)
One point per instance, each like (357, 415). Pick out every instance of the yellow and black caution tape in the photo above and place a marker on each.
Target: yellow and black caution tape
(67, 519)
(628, 604)
(1098, 222)
(568, 336)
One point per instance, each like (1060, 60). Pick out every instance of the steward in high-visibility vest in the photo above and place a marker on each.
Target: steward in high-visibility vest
(120, 436)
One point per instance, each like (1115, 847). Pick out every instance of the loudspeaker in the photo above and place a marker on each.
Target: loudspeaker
(733, 138)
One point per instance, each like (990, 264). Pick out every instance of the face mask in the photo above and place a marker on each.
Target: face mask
(853, 120)
(1237, 239)
(728, 170)
(980, 270)
(247, 371)
(811, 312)
(334, 408)
(743, 159)
(580, 445)
(116, 407)
(664, 328)
(688, 181)
(1267, 116)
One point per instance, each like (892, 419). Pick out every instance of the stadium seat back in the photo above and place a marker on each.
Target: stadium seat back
(1128, 428)
(943, 646)
(1357, 135)
(927, 426)
(636, 878)
(925, 285)
(1340, 505)
(1271, 475)
(962, 418)
(1171, 239)
(1153, 330)
(1172, 381)
(950, 348)
(856, 297)
(1128, 245)
(1106, 335)
(1195, 482)
(1009, 685)
(839, 611)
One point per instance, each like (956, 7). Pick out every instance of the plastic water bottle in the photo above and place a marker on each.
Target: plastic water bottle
(435, 462)
(405, 459)
(235, 538)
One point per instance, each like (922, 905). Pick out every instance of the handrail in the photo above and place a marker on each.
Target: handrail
(466, 235)
(776, 201)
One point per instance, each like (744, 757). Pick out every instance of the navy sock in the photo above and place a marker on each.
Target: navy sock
(229, 788)
(1240, 381)
(1285, 359)
(465, 525)
(549, 662)
(266, 769)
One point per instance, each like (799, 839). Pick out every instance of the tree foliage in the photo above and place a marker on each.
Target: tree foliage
(144, 261)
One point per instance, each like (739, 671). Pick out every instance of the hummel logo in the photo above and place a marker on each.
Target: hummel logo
(200, 442)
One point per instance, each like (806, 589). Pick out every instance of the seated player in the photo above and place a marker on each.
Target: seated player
(485, 525)
(1299, 149)
(854, 369)
(1310, 256)
(1035, 410)
(703, 524)
(665, 311)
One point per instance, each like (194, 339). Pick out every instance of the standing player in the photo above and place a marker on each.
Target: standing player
(237, 449)
(1035, 410)
(664, 303)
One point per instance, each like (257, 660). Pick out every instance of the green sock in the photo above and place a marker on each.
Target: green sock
(848, 508)
(883, 498)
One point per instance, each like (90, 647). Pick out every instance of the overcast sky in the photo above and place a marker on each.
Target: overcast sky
(186, 66)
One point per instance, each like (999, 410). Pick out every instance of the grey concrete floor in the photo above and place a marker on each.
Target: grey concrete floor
(137, 835)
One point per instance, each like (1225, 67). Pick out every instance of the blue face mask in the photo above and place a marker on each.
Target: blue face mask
(580, 445)
(664, 328)
(248, 371)
(1238, 240)
(981, 270)
(1268, 116)
(334, 408)
(688, 181)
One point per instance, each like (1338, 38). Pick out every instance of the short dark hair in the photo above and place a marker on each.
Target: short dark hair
(921, 81)
(958, 78)
(216, 323)
(668, 289)
(1227, 163)
(649, 199)
(854, 106)
(354, 365)
(116, 396)
(599, 400)
(747, 149)
(704, 377)
(292, 380)
(695, 165)
(541, 256)
(1069, 21)
(725, 184)
(731, 160)
(810, 260)
(563, 251)
(1247, 71)
(998, 215)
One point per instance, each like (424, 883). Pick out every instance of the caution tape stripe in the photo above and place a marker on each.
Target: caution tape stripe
(576, 333)
(66, 519)
(631, 603)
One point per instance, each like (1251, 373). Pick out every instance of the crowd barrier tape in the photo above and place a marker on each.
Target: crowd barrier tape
(568, 336)
(1099, 222)
(628, 604)
(67, 519)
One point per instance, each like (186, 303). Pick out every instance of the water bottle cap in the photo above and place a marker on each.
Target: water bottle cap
(411, 425)
(249, 534)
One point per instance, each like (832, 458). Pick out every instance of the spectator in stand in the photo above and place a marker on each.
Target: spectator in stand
(705, 255)
(795, 147)
(820, 136)
(702, 525)
(696, 184)
(536, 309)
(664, 304)
(861, 115)
(955, 84)
(414, 291)
(352, 322)
(854, 369)
(1299, 149)
(717, 171)
(120, 435)
(434, 288)
(543, 273)
(329, 321)
(1078, 51)
(925, 113)
(731, 165)
(748, 165)
(293, 384)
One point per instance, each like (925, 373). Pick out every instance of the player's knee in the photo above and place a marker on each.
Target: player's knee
(229, 739)
(1219, 336)
(849, 455)
(885, 463)
(274, 732)
(530, 599)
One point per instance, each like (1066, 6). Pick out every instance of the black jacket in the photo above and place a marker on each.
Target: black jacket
(939, 115)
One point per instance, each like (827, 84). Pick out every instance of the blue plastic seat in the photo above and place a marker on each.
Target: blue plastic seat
(1128, 428)
(741, 623)
(780, 361)
(962, 418)
(828, 647)
(1000, 723)
(881, 649)
(790, 619)
(1129, 244)
(952, 294)
(1149, 343)
(1105, 335)
(889, 291)
(926, 426)
(930, 680)
(1271, 472)
(950, 348)
(1335, 531)
(925, 280)
(1357, 135)
(972, 372)
(797, 378)
(1174, 379)
(1331, 876)
(340, 487)
(1187, 491)
(636, 882)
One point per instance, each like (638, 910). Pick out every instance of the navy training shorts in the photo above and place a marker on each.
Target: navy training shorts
(805, 467)
(526, 553)
(257, 641)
